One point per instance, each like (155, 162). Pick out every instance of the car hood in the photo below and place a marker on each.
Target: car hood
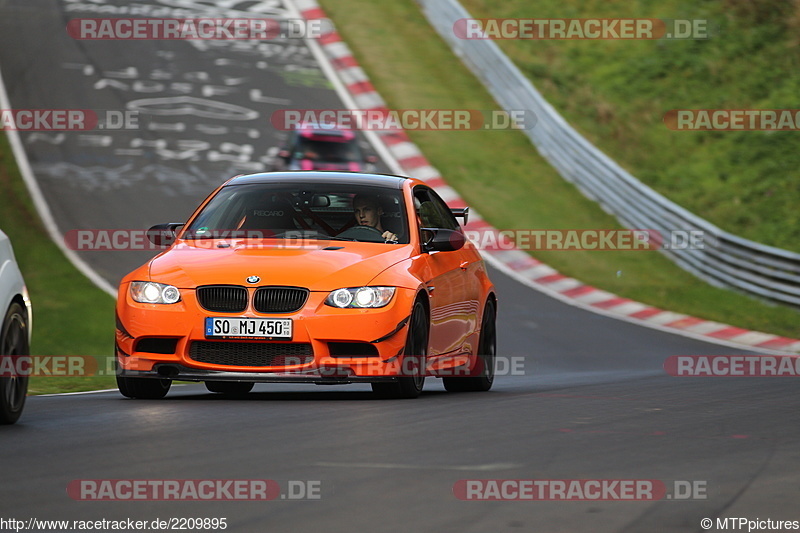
(192, 263)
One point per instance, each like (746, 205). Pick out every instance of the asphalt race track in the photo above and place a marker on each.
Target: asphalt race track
(592, 400)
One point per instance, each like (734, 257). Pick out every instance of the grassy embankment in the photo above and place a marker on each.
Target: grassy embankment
(70, 315)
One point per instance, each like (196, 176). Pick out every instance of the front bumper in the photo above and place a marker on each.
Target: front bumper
(316, 324)
(324, 376)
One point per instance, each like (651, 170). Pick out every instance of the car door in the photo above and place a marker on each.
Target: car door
(449, 282)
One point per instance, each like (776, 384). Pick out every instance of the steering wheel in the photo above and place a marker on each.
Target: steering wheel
(365, 233)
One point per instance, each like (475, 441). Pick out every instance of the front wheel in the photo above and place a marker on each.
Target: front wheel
(143, 388)
(484, 366)
(412, 380)
(14, 343)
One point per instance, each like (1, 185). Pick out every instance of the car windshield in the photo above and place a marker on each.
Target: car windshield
(332, 151)
(301, 211)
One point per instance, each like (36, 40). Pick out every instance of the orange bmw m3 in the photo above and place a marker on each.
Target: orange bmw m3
(312, 277)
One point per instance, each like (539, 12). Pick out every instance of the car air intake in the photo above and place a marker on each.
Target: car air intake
(352, 349)
(156, 345)
(279, 299)
(222, 298)
(251, 353)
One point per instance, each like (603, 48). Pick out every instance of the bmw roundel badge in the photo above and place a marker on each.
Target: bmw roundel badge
(253, 279)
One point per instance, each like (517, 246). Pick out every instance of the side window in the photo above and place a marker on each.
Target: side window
(432, 211)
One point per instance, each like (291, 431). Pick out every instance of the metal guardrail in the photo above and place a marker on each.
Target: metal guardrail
(726, 261)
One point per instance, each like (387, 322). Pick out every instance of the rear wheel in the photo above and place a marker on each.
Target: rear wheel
(410, 384)
(13, 342)
(484, 366)
(230, 388)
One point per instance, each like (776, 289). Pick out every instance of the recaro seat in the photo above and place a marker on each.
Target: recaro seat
(271, 213)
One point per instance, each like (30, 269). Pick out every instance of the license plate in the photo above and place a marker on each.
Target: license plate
(249, 328)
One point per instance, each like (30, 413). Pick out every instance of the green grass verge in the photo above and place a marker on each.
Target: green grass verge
(617, 92)
(501, 173)
(70, 315)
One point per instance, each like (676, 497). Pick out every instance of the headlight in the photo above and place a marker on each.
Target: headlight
(150, 292)
(360, 297)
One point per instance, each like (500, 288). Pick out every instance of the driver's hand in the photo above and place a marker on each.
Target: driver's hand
(389, 236)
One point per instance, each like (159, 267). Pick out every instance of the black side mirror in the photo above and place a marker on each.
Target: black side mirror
(441, 240)
(163, 234)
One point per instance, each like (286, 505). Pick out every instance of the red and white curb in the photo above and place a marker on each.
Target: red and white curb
(517, 263)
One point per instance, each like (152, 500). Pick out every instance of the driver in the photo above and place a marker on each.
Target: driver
(368, 211)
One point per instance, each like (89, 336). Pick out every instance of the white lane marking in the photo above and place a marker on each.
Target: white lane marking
(76, 393)
(665, 317)
(753, 337)
(400, 466)
(628, 308)
(41, 205)
(595, 297)
(565, 284)
(704, 328)
(405, 150)
(86, 392)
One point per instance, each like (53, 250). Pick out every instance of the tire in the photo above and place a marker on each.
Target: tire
(143, 388)
(484, 366)
(230, 388)
(414, 356)
(13, 342)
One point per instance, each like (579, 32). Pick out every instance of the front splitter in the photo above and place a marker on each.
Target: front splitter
(183, 373)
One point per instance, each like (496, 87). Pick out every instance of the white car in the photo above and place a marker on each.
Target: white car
(15, 332)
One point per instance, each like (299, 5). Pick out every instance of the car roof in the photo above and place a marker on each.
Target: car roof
(320, 133)
(338, 178)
